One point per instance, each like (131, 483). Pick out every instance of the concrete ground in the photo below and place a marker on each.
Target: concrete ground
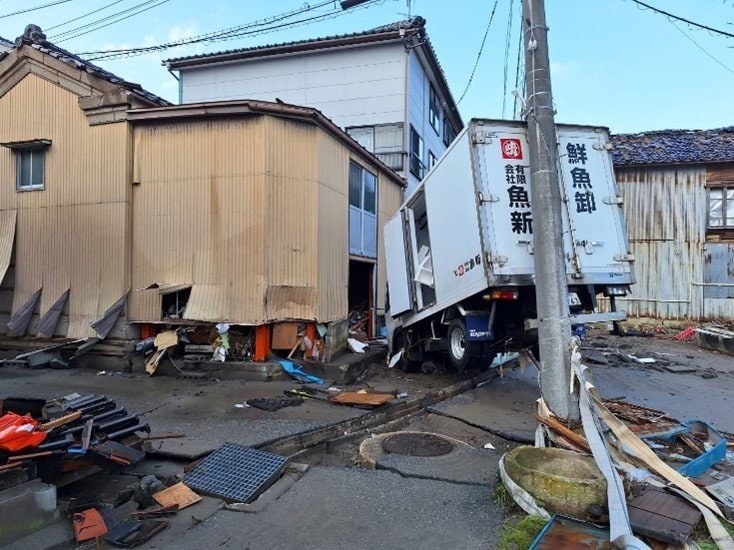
(410, 504)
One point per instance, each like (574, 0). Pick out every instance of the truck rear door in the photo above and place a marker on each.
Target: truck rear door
(502, 165)
(592, 207)
(396, 256)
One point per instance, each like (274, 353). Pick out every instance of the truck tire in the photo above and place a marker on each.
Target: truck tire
(404, 364)
(463, 354)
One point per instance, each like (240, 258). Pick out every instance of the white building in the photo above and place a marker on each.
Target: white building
(384, 86)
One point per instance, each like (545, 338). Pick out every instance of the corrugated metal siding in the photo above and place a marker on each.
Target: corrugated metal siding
(665, 213)
(247, 238)
(73, 233)
(291, 219)
(333, 229)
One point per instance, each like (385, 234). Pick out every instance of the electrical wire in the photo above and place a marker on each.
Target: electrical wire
(703, 49)
(214, 36)
(261, 27)
(519, 76)
(479, 54)
(84, 16)
(673, 17)
(34, 8)
(115, 17)
(506, 70)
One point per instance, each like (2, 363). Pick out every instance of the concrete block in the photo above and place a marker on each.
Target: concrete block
(26, 508)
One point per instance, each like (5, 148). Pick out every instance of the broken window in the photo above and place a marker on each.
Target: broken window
(721, 208)
(417, 168)
(362, 212)
(434, 111)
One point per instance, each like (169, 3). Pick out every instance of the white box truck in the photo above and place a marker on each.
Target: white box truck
(459, 252)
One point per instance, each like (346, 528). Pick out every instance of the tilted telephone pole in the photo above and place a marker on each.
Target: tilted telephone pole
(554, 323)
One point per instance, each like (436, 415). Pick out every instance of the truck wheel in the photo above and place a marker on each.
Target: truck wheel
(463, 353)
(404, 364)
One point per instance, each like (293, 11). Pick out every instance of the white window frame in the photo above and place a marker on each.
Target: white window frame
(32, 151)
(727, 222)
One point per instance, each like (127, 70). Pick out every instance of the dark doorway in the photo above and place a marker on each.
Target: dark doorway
(361, 294)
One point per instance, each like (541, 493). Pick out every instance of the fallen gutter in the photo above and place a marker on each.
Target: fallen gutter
(292, 444)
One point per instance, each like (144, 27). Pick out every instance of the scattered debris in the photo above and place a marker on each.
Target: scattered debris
(643, 360)
(88, 525)
(357, 398)
(295, 372)
(564, 532)
(178, 495)
(275, 403)
(356, 346)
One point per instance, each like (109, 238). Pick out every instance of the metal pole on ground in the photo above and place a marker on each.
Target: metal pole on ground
(554, 323)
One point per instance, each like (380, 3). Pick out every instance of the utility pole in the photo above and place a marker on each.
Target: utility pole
(554, 323)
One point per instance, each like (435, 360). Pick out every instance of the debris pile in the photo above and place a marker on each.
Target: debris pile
(49, 444)
(661, 476)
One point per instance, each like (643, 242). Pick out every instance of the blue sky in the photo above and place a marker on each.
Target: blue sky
(612, 64)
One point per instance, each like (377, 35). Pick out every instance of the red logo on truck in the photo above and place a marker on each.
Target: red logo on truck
(511, 149)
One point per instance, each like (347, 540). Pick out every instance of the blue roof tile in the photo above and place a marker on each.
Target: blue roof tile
(674, 147)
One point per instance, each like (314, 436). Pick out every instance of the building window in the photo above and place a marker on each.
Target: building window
(362, 212)
(30, 169)
(721, 208)
(431, 160)
(385, 141)
(417, 168)
(434, 111)
(448, 131)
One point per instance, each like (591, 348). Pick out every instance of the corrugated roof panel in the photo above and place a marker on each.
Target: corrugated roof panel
(49, 321)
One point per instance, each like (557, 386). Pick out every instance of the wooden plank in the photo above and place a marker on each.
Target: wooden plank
(60, 421)
(662, 516)
(176, 494)
(285, 335)
(356, 398)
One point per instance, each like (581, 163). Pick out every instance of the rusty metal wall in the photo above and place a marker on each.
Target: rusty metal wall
(665, 212)
(73, 233)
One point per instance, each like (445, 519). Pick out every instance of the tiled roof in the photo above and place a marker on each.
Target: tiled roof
(674, 147)
(4, 42)
(34, 37)
(414, 23)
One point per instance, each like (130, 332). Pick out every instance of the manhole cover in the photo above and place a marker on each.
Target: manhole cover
(417, 444)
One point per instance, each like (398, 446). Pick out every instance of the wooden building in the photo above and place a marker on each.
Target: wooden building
(678, 190)
(117, 208)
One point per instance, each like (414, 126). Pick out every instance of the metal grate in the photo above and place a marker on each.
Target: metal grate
(236, 473)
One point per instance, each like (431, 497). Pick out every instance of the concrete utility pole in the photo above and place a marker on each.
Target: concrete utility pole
(554, 323)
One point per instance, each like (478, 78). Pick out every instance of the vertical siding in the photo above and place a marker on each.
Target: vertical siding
(233, 208)
(390, 198)
(291, 218)
(73, 233)
(333, 229)
(198, 215)
(665, 213)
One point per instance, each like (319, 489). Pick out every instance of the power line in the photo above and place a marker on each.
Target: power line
(505, 78)
(519, 75)
(683, 19)
(72, 20)
(479, 55)
(704, 50)
(120, 15)
(263, 26)
(34, 8)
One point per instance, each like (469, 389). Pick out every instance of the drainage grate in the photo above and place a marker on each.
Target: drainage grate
(235, 473)
(417, 444)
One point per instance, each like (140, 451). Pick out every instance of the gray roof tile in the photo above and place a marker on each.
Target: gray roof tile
(674, 147)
